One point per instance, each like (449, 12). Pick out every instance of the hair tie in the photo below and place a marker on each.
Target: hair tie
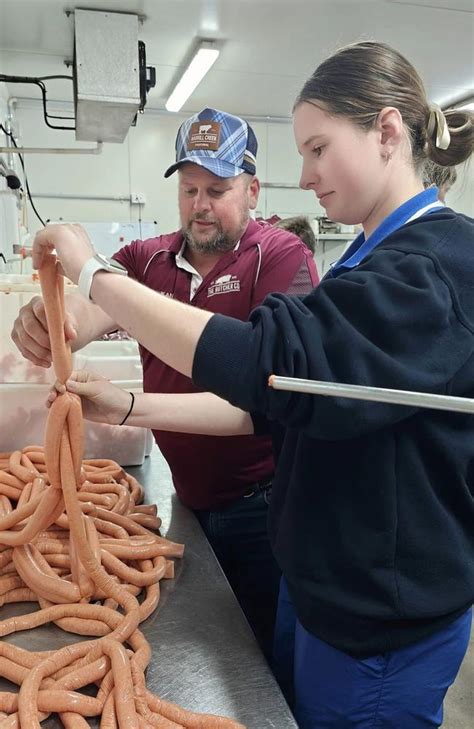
(437, 121)
(130, 408)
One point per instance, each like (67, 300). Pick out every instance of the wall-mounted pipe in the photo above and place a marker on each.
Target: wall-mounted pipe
(69, 105)
(52, 150)
(280, 185)
(74, 196)
(12, 161)
(126, 198)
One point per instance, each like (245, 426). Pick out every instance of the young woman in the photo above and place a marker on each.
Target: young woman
(372, 510)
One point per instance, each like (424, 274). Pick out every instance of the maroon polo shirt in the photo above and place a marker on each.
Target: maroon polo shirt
(209, 472)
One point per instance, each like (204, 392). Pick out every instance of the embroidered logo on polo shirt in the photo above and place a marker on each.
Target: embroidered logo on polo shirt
(204, 135)
(224, 285)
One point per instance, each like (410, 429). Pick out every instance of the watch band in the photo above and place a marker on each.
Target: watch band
(87, 274)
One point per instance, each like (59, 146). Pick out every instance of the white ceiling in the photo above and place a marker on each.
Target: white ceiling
(269, 47)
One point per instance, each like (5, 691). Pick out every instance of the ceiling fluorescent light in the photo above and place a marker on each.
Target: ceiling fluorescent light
(204, 57)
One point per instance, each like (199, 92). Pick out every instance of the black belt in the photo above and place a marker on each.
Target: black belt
(262, 485)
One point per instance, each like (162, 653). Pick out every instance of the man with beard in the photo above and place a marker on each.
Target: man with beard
(222, 261)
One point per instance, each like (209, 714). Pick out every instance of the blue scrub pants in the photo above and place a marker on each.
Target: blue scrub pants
(402, 689)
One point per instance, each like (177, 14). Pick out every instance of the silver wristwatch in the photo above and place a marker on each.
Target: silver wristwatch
(98, 262)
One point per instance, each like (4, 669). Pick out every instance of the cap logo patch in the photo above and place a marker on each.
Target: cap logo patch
(204, 135)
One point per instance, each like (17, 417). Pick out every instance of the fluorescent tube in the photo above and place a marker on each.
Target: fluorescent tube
(202, 61)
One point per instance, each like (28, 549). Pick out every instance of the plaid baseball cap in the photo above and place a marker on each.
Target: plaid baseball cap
(222, 143)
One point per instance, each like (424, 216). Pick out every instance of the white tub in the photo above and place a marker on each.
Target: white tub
(23, 420)
(16, 290)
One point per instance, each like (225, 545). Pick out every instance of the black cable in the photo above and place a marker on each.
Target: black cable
(9, 134)
(38, 82)
(47, 116)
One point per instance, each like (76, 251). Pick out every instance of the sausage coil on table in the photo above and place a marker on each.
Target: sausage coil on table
(75, 538)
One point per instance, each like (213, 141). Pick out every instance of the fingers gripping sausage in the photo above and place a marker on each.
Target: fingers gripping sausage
(62, 550)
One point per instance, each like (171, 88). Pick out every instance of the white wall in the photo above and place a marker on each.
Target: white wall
(461, 196)
(138, 164)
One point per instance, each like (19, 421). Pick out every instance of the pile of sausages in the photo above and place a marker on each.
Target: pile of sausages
(75, 538)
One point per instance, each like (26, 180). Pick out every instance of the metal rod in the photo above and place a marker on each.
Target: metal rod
(376, 394)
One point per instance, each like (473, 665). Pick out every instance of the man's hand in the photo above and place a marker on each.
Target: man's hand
(30, 332)
(102, 402)
(71, 243)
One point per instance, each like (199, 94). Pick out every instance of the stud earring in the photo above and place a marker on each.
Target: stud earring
(387, 156)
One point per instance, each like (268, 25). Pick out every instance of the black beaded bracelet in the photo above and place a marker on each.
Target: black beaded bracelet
(130, 409)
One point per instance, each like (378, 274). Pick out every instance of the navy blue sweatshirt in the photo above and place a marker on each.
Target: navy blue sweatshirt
(372, 512)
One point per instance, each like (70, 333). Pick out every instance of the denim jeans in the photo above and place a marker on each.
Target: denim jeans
(239, 537)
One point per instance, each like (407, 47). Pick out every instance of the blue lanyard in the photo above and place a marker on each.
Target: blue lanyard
(413, 208)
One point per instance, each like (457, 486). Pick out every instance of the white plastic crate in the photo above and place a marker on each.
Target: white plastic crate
(114, 359)
(16, 290)
(23, 420)
(24, 387)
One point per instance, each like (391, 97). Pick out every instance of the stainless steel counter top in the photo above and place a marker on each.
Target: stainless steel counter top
(205, 656)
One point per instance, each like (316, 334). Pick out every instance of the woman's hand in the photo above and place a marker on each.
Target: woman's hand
(71, 243)
(102, 402)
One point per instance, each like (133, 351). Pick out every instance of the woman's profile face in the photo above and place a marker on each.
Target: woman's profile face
(342, 163)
